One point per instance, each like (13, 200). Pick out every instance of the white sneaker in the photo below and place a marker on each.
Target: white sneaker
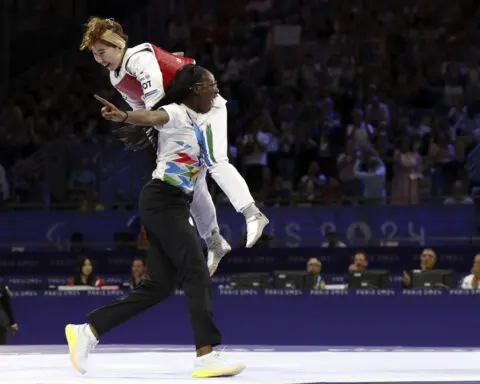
(217, 248)
(255, 226)
(81, 342)
(215, 365)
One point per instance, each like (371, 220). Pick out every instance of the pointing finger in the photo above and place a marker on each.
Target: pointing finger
(104, 101)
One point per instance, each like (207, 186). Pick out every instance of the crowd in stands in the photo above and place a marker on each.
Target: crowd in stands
(377, 101)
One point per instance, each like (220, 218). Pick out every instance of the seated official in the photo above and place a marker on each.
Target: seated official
(473, 281)
(428, 260)
(359, 263)
(84, 275)
(314, 267)
(139, 271)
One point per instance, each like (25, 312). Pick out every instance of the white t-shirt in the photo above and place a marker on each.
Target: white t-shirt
(361, 135)
(182, 147)
(467, 283)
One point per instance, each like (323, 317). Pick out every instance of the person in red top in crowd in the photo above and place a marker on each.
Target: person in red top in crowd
(84, 275)
(141, 74)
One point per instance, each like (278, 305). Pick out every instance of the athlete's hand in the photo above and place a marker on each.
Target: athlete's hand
(111, 112)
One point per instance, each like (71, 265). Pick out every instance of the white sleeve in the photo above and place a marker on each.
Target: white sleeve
(174, 115)
(144, 67)
(465, 283)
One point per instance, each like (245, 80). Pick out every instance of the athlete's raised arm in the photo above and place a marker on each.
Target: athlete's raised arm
(141, 117)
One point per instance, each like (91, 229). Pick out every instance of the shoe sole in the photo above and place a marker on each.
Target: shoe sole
(72, 342)
(205, 373)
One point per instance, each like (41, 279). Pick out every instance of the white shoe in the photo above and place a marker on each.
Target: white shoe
(217, 248)
(214, 365)
(81, 343)
(255, 226)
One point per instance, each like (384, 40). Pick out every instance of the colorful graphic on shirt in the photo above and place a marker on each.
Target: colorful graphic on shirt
(210, 142)
(202, 142)
(182, 170)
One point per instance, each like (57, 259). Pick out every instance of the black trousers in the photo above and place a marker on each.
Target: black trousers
(4, 335)
(174, 253)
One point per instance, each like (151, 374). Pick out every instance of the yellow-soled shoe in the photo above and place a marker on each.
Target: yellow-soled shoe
(81, 342)
(214, 365)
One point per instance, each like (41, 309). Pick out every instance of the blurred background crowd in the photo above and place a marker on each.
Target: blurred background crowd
(351, 102)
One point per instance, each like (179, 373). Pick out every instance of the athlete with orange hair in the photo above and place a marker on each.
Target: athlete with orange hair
(141, 74)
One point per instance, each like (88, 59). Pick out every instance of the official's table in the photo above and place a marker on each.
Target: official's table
(409, 318)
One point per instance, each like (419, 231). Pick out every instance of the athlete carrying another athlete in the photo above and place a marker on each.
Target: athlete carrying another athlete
(141, 75)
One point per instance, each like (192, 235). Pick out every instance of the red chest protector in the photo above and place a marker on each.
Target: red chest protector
(169, 65)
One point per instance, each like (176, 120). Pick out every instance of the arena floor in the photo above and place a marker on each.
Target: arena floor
(128, 364)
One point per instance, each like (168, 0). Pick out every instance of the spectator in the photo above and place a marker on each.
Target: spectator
(459, 195)
(314, 267)
(280, 193)
(138, 272)
(254, 151)
(312, 183)
(360, 262)
(377, 112)
(82, 178)
(360, 131)
(333, 193)
(333, 241)
(84, 275)
(428, 260)
(4, 185)
(345, 163)
(442, 155)
(371, 171)
(472, 281)
(407, 172)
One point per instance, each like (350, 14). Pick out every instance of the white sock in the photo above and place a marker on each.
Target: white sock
(89, 333)
(250, 210)
(213, 238)
(205, 356)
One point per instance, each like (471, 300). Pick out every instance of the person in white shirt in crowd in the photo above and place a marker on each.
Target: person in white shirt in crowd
(175, 250)
(4, 185)
(140, 74)
(459, 195)
(371, 171)
(360, 131)
(472, 281)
